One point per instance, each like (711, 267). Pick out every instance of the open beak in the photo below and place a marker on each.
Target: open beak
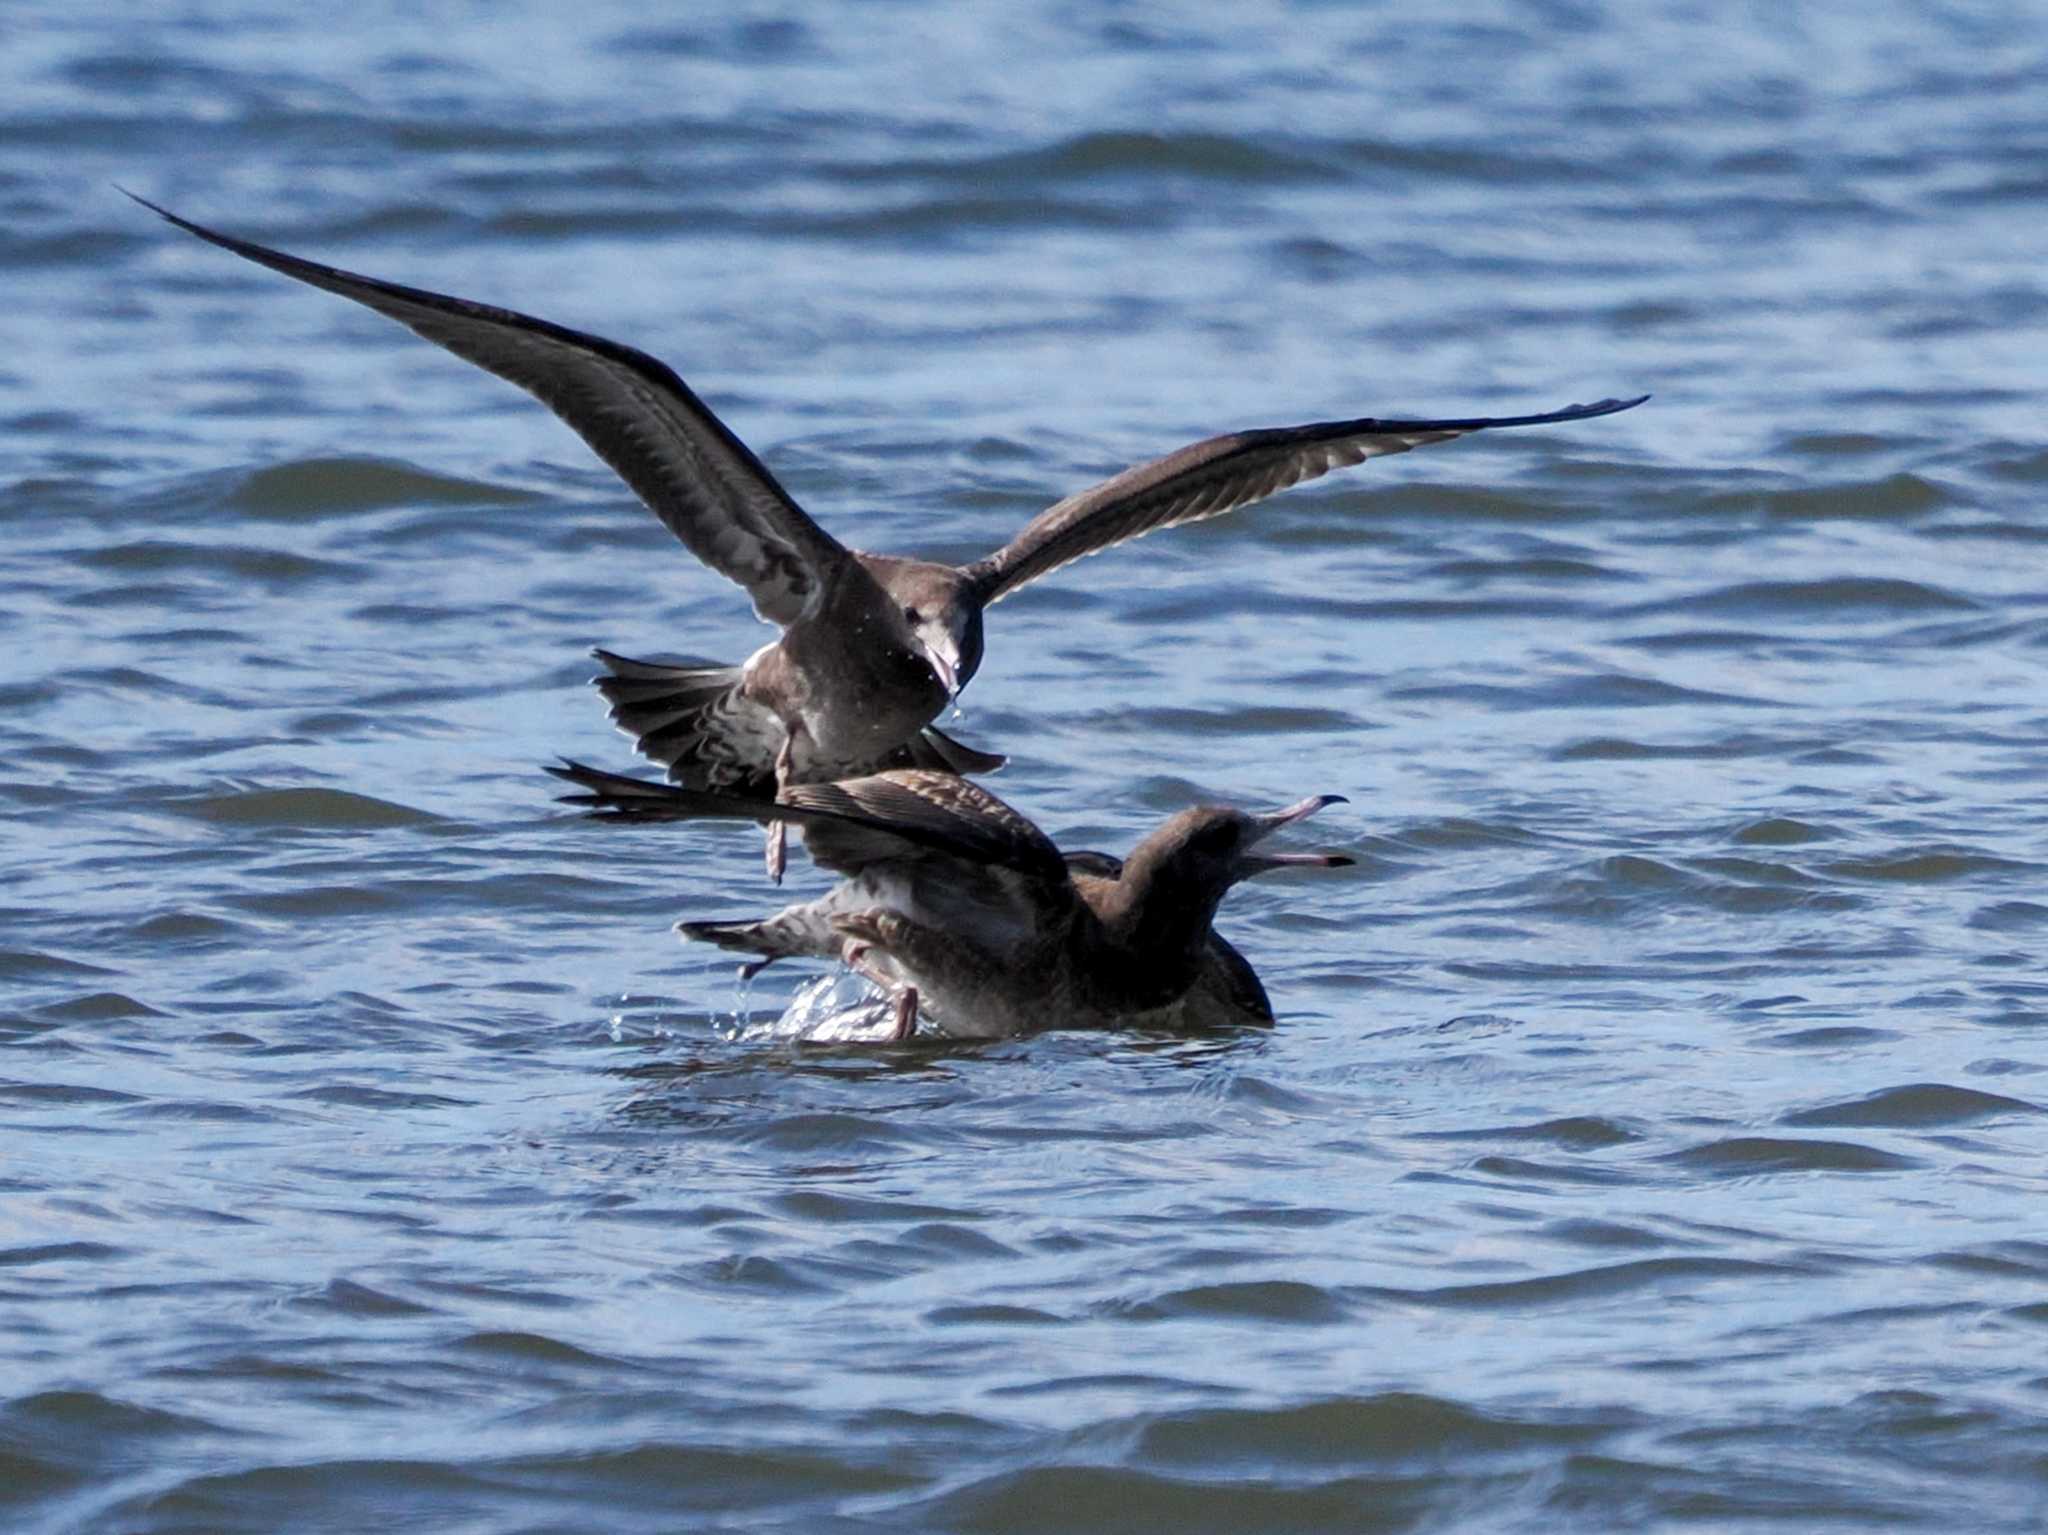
(1258, 863)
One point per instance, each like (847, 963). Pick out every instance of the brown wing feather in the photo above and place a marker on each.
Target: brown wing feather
(633, 411)
(947, 810)
(1219, 475)
(850, 824)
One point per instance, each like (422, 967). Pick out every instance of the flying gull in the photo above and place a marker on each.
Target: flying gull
(958, 906)
(873, 646)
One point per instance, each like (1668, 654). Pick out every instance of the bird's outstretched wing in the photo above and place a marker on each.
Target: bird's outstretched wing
(632, 410)
(848, 825)
(1206, 479)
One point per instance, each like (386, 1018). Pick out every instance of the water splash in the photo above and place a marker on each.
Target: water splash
(742, 1019)
(840, 1008)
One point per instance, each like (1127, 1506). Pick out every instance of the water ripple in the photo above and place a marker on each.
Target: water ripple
(1672, 1058)
(1747, 1155)
(1917, 1106)
(310, 809)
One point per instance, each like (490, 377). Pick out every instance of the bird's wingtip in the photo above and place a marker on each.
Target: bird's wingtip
(1609, 406)
(137, 197)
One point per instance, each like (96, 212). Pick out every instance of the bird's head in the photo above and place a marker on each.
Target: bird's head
(941, 620)
(1173, 881)
(1215, 846)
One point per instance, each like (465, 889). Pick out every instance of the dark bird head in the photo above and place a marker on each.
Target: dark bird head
(1173, 881)
(941, 618)
(1214, 846)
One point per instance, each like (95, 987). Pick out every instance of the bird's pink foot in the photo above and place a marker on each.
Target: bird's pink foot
(906, 1015)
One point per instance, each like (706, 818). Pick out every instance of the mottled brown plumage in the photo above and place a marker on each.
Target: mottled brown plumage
(950, 894)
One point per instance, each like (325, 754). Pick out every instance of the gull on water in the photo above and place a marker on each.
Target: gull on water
(959, 907)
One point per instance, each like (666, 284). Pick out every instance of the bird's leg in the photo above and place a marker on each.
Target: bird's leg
(918, 949)
(777, 852)
(860, 930)
(906, 1015)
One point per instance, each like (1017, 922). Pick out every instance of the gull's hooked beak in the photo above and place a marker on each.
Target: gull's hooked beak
(1265, 825)
(944, 667)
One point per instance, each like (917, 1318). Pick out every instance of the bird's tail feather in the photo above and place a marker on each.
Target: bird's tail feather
(616, 796)
(646, 695)
(680, 713)
(793, 934)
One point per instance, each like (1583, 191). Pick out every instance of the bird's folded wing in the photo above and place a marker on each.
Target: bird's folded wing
(632, 410)
(936, 810)
(1206, 479)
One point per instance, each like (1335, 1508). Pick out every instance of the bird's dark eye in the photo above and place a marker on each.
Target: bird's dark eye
(911, 615)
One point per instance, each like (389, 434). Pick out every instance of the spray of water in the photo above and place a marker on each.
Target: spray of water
(839, 1008)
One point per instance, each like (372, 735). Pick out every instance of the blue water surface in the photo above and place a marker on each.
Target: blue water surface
(1653, 1136)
